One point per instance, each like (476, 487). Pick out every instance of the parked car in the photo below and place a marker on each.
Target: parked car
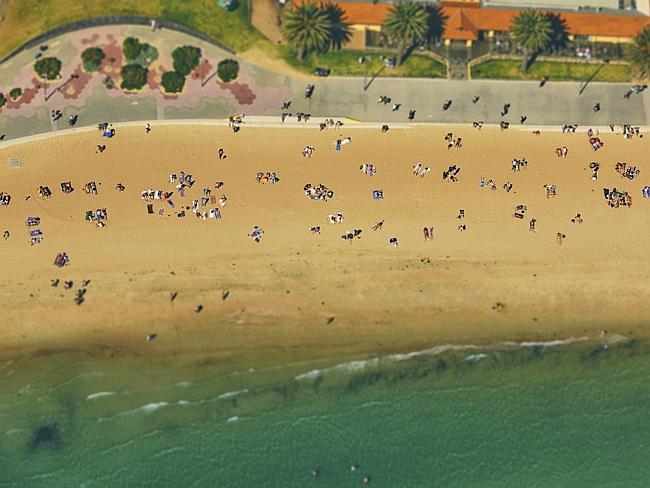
(322, 71)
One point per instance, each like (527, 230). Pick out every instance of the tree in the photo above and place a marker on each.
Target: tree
(3, 100)
(406, 25)
(339, 30)
(228, 69)
(15, 93)
(532, 31)
(92, 58)
(639, 54)
(48, 68)
(172, 82)
(134, 77)
(137, 52)
(306, 28)
(186, 58)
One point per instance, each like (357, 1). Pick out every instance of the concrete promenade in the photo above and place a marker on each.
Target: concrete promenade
(260, 91)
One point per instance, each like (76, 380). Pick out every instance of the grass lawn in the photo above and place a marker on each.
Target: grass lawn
(510, 69)
(345, 63)
(25, 19)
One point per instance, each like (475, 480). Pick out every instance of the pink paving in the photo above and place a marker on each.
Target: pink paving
(242, 94)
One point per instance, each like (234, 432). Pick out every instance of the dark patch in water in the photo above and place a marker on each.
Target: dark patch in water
(538, 350)
(441, 366)
(47, 435)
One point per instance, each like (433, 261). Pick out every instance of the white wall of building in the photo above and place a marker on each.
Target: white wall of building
(555, 4)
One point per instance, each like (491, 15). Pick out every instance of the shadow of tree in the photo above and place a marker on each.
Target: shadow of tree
(340, 28)
(559, 36)
(436, 22)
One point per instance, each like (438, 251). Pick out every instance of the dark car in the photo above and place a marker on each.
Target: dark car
(322, 71)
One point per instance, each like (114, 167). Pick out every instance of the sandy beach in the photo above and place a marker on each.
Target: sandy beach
(296, 294)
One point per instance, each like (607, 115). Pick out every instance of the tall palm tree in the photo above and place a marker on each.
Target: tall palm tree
(406, 25)
(340, 30)
(639, 54)
(532, 30)
(307, 28)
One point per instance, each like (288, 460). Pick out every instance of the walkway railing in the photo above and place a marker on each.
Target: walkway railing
(113, 20)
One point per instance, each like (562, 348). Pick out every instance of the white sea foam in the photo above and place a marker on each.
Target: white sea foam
(555, 343)
(152, 407)
(232, 419)
(230, 394)
(475, 357)
(184, 384)
(310, 375)
(16, 430)
(373, 362)
(434, 351)
(183, 402)
(100, 394)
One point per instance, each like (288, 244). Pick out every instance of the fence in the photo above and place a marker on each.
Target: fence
(113, 20)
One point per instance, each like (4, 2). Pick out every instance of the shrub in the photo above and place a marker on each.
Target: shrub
(228, 70)
(3, 100)
(15, 93)
(134, 77)
(137, 52)
(92, 58)
(186, 58)
(48, 68)
(173, 82)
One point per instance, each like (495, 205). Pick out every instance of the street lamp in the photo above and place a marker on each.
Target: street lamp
(44, 76)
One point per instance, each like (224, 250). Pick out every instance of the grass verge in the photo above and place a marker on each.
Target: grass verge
(510, 69)
(346, 63)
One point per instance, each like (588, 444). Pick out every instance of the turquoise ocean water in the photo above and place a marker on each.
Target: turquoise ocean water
(517, 416)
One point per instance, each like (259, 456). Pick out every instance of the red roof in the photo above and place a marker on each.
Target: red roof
(465, 23)
(459, 26)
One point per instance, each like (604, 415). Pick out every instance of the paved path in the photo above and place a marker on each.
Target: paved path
(260, 91)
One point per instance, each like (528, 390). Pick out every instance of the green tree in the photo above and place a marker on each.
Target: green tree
(137, 52)
(406, 25)
(3, 100)
(134, 77)
(92, 58)
(228, 69)
(639, 54)
(172, 82)
(48, 68)
(186, 58)
(340, 30)
(306, 28)
(532, 31)
(15, 93)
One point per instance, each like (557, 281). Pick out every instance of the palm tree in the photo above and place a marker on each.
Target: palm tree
(639, 53)
(340, 30)
(307, 28)
(406, 25)
(532, 30)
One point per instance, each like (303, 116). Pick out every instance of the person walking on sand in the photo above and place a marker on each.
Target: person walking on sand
(378, 225)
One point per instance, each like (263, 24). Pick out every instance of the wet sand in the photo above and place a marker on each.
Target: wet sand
(285, 289)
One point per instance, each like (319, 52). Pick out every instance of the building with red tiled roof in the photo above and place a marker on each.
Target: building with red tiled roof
(471, 23)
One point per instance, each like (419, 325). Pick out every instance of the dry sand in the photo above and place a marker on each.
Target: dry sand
(283, 289)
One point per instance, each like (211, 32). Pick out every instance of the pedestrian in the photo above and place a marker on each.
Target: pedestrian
(5, 235)
(411, 114)
(475, 99)
(596, 107)
(523, 119)
(147, 128)
(396, 106)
